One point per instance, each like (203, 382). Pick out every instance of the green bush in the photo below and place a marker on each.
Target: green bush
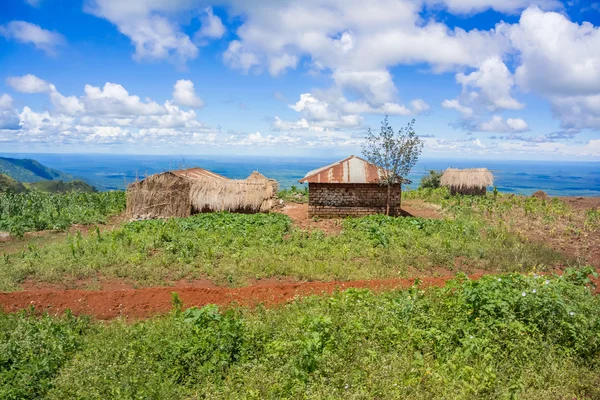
(294, 195)
(431, 181)
(33, 350)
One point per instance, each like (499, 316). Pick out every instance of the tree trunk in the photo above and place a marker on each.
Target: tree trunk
(389, 195)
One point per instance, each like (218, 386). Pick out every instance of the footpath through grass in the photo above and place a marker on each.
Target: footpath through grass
(232, 248)
(502, 337)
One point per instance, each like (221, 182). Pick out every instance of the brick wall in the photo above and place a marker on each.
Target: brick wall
(337, 200)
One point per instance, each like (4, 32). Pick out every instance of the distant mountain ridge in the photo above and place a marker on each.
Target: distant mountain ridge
(28, 170)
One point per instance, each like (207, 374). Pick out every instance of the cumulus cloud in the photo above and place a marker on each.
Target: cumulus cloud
(455, 104)
(504, 6)
(499, 125)
(210, 26)
(148, 26)
(6, 102)
(26, 32)
(559, 60)
(494, 83)
(32, 84)
(184, 94)
(28, 84)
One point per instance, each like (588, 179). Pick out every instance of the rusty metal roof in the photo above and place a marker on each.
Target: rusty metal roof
(349, 170)
(197, 173)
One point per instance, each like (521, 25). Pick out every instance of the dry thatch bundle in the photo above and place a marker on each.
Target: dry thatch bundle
(467, 181)
(540, 195)
(182, 193)
(160, 195)
(253, 194)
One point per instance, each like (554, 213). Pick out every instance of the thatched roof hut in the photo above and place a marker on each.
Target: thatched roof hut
(473, 181)
(186, 192)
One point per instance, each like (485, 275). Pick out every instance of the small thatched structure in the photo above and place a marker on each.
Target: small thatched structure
(472, 181)
(192, 191)
(540, 195)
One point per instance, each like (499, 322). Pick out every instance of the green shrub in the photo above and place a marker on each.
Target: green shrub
(34, 349)
(431, 181)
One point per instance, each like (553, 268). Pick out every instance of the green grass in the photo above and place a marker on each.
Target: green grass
(232, 248)
(35, 211)
(502, 337)
(294, 195)
(57, 186)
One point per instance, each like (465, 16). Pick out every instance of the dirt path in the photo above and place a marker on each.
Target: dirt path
(144, 303)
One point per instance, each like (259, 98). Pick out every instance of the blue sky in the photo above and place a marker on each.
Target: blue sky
(499, 79)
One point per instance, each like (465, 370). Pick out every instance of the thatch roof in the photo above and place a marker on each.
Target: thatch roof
(182, 193)
(467, 178)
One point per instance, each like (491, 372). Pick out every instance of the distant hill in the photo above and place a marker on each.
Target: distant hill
(27, 170)
(8, 184)
(61, 187)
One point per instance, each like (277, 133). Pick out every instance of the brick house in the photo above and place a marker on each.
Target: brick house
(349, 187)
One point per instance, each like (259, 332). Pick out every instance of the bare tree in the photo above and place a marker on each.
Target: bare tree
(395, 153)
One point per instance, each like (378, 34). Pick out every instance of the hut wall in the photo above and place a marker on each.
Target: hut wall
(336, 200)
(233, 195)
(471, 191)
(162, 195)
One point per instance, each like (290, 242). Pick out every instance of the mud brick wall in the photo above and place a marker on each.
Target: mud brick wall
(338, 200)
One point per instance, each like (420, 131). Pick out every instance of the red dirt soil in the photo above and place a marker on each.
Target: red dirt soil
(298, 212)
(144, 303)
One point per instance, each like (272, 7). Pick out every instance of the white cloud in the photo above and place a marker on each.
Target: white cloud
(210, 26)
(26, 32)
(505, 6)
(499, 125)
(558, 57)
(455, 104)
(184, 94)
(577, 112)
(236, 57)
(114, 100)
(154, 35)
(6, 102)
(32, 84)
(34, 3)
(376, 87)
(494, 82)
(559, 60)
(103, 115)
(28, 84)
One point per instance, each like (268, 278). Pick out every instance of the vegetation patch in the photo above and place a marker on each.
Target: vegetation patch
(35, 211)
(232, 248)
(506, 336)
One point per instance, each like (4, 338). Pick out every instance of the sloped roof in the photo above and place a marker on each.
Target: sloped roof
(352, 169)
(467, 178)
(197, 173)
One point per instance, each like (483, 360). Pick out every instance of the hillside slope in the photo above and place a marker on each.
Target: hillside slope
(58, 186)
(8, 184)
(27, 170)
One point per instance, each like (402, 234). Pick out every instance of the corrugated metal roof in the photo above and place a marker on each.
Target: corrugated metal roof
(349, 170)
(197, 173)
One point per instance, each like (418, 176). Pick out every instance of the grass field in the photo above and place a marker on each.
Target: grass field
(514, 336)
(232, 248)
(35, 211)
